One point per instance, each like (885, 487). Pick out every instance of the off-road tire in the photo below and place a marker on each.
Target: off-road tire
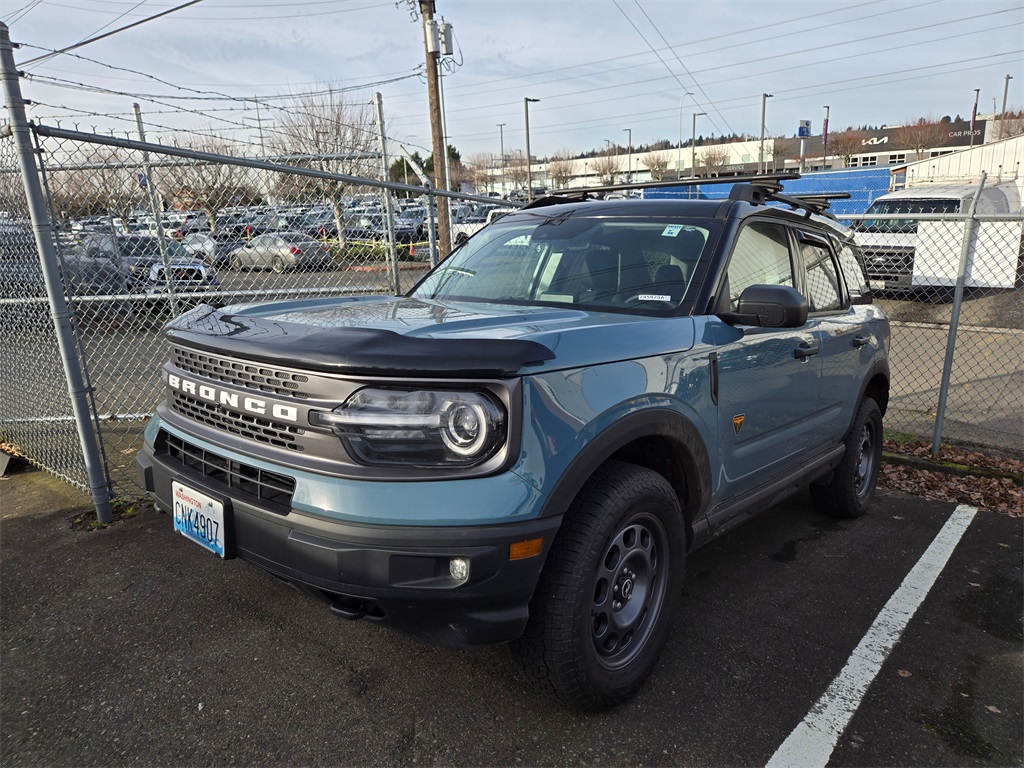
(849, 492)
(602, 611)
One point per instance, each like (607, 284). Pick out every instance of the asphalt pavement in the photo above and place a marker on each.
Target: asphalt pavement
(132, 646)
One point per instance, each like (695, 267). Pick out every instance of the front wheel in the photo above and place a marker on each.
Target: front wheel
(603, 607)
(849, 492)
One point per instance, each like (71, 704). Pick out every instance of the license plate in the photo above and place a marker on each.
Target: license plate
(878, 285)
(199, 517)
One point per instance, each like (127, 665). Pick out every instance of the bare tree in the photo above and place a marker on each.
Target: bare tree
(561, 167)
(606, 166)
(109, 186)
(784, 148)
(1011, 124)
(713, 158)
(920, 135)
(209, 186)
(476, 171)
(516, 169)
(327, 133)
(657, 163)
(846, 144)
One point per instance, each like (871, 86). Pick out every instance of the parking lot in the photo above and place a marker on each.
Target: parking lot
(132, 646)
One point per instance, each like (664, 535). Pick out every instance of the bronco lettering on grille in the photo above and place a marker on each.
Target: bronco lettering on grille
(242, 403)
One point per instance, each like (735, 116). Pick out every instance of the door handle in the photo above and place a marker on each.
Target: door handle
(859, 341)
(805, 350)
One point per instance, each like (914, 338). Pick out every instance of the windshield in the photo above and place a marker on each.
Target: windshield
(905, 206)
(617, 264)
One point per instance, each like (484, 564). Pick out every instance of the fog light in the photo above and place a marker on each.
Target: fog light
(458, 567)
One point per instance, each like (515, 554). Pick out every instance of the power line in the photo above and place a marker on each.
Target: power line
(108, 34)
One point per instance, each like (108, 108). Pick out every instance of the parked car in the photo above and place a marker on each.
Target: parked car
(212, 247)
(281, 252)
(526, 447)
(150, 266)
(374, 227)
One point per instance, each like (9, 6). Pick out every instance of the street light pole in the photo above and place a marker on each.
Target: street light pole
(693, 145)
(824, 140)
(974, 113)
(1002, 115)
(679, 147)
(760, 154)
(501, 134)
(529, 167)
(629, 155)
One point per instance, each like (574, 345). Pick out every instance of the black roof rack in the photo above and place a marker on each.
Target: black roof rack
(763, 179)
(758, 189)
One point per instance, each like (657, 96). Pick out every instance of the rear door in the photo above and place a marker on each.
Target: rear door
(769, 378)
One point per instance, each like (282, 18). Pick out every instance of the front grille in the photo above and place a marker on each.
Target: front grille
(187, 274)
(269, 489)
(243, 424)
(239, 374)
(889, 264)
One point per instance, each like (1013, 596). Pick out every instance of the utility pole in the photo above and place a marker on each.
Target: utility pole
(432, 50)
(1002, 114)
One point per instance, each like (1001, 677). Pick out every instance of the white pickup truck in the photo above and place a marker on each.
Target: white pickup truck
(468, 221)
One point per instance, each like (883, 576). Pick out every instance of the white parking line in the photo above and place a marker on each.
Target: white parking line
(811, 743)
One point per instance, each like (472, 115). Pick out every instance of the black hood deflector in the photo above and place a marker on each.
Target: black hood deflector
(350, 350)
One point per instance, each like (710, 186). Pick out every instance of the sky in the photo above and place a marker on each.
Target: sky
(604, 71)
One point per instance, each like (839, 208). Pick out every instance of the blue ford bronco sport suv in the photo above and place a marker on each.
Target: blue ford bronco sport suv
(525, 447)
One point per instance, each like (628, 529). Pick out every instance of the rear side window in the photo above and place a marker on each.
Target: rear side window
(852, 268)
(821, 278)
(761, 257)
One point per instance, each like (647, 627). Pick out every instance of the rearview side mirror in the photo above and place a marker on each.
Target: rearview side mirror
(769, 306)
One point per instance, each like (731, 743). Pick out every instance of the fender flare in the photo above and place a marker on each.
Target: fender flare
(653, 422)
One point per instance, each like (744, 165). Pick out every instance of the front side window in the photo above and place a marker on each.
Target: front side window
(617, 264)
(760, 257)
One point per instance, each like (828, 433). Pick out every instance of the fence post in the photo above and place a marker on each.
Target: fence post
(432, 224)
(156, 205)
(44, 236)
(954, 322)
(389, 210)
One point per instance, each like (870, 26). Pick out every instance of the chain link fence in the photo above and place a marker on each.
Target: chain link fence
(951, 285)
(142, 235)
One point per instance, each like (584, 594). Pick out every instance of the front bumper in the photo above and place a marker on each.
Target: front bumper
(397, 575)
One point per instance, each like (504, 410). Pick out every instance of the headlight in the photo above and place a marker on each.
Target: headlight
(398, 427)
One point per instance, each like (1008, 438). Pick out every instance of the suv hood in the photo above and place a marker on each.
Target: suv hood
(391, 336)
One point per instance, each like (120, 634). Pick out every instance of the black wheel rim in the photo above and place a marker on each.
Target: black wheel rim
(867, 461)
(629, 590)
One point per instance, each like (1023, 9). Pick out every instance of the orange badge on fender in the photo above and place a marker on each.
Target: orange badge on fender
(737, 422)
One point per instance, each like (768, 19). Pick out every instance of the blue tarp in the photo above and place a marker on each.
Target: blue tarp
(863, 184)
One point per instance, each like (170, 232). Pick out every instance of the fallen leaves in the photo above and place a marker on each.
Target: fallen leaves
(997, 494)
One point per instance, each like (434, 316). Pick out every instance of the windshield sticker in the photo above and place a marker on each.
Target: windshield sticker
(653, 297)
(672, 230)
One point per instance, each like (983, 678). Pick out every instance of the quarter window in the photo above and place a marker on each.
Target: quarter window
(821, 277)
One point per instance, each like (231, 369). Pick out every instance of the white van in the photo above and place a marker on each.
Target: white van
(907, 253)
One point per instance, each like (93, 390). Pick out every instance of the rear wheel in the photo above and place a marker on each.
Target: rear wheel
(603, 607)
(852, 486)
(277, 264)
